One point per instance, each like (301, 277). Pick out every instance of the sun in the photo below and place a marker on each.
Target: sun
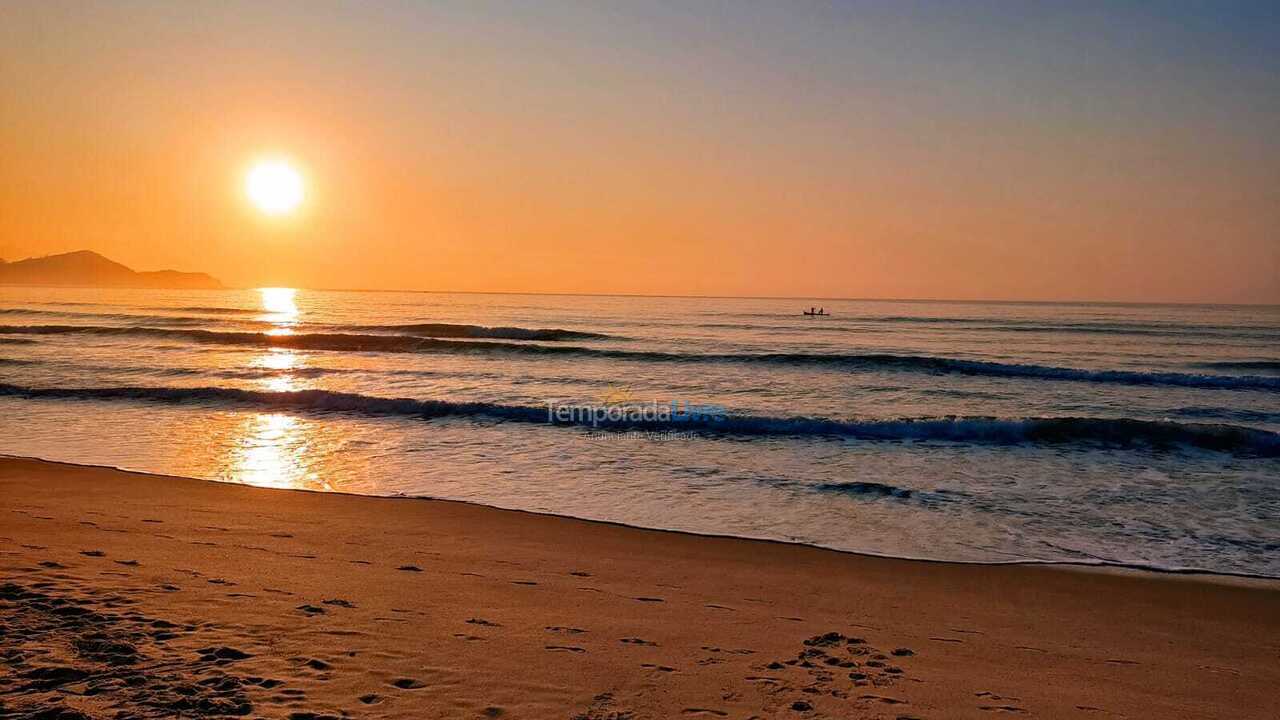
(274, 187)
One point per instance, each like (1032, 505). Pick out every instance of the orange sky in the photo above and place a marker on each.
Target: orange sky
(860, 151)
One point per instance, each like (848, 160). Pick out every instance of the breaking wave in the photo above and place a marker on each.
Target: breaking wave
(973, 430)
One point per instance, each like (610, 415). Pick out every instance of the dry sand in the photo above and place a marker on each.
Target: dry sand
(127, 595)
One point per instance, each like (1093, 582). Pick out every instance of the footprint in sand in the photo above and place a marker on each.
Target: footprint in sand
(311, 609)
(650, 599)
(523, 582)
(410, 568)
(704, 711)
(370, 699)
(565, 630)
(882, 699)
(128, 563)
(408, 683)
(579, 573)
(222, 655)
(566, 648)
(482, 622)
(638, 641)
(339, 602)
(92, 553)
(52, 565)
(659, 668)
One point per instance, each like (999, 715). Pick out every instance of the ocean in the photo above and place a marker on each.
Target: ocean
(1134, 435)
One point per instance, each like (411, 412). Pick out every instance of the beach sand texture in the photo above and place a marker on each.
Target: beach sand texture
(128, 595)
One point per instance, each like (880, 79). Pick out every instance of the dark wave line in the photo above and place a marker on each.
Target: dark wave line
(860, 325)
(1083, 326)
(179, 320)
(214, 310)
(866, 489)
(449, 330)
(1233, 439)
(1273, 365)
(870, 361)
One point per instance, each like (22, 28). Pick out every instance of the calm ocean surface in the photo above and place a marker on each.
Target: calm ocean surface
(1119, 434)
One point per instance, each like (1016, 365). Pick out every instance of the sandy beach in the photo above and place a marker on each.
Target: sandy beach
(130, 595)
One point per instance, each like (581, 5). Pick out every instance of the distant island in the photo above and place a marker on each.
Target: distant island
(88, 268)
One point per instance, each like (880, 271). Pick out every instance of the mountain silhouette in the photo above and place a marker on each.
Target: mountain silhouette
(88, 268)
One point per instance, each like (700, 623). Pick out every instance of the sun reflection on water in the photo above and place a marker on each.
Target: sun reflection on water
(274, 450)
(278, 359)
(281, 307)
(280, 303)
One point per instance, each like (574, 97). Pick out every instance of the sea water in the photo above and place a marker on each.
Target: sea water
(987, 432)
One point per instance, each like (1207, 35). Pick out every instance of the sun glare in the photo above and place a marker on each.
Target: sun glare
(274, 187)
(279, 301)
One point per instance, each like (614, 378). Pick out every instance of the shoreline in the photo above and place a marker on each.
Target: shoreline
(1190, 574)
(156, 595)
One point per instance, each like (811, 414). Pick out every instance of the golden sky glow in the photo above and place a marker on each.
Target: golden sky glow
(852, 150)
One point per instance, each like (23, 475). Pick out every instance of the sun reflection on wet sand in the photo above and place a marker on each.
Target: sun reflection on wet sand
(273, 450)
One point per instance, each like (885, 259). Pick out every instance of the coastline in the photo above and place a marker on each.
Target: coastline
(392, 607)
(1101, 566)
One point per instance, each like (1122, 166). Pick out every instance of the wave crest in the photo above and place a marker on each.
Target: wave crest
(360, 342)
(973, 430)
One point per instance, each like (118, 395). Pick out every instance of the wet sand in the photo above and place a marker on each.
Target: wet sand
(157, 596)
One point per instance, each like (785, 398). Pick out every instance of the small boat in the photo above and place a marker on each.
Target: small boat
(820, 312)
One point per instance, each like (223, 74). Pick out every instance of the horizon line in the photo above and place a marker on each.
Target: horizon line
(771, 297)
